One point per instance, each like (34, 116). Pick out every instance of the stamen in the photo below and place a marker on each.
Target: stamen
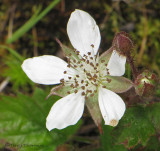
(83, 93)
(83, 87)
(75, 91)
(92, 45)
(102, 61)
(89, 53)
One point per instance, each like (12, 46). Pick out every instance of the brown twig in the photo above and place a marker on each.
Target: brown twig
(4, 84)
(144, 40)
(35, 42)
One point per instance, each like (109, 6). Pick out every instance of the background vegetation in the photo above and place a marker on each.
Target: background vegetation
(29, 28)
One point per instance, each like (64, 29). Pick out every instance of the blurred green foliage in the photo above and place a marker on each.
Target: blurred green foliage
(14, 70)
(23, 121)
(23, 116)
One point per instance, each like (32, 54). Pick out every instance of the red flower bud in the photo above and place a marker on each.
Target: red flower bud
(122, 43)
(145, 83)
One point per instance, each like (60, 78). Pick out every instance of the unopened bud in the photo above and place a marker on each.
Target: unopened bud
(146, 83)
(122, 43)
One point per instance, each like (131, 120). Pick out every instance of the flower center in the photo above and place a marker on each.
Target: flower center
(83, 74)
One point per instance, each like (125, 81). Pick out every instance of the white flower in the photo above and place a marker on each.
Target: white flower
(85, 75)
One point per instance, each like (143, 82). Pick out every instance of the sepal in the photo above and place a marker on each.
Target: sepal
(117, 84)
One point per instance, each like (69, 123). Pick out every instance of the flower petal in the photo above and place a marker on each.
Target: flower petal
(116, 64)
(45, 69)
(67, 111)
(111, 105)
(83, 32)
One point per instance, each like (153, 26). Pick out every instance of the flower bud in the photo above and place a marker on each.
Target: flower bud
(145, 83)
(122, 43)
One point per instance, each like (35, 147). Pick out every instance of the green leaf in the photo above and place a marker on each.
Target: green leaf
(23, 121)
(134, 127)
(153, 144)
(14, 70)
(154, 115)
(137, 126)
(13, 52)
(107, 141)
(117, 84)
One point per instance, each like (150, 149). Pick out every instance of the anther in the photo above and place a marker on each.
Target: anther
(92, 64)
(68, 65)
(83, 94)
(92, 45)
(75, 91)
(77, 52)
(86, 97)
(89, 53)
(102, 61)
(82, 81)
(95, 76)
(68, 92)
(72, 85)
(109, 80)
(95, 91)
(77, 76)
(103, 86)
(69, 78)
(62, 80)
(83, 87)
(65, 72)
(92, 95)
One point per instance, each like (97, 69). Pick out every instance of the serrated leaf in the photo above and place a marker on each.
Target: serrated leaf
(107, 141)
(154, 115)
(153, 144)
(23, 121)
(135, 127)
(14, 70)
(117, 84)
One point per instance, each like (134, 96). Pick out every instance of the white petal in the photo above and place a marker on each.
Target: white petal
(83, 32)
(111, 105)
(45, 69)
(116, 64)
(67, 111)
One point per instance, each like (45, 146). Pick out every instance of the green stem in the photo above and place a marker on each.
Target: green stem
(31, 22)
